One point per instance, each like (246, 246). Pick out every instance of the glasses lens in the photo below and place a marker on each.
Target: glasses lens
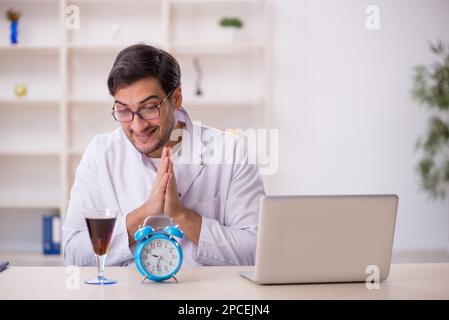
(122, 115)
(149, 113)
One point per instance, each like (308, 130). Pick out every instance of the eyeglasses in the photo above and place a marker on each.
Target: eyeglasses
(144, 113)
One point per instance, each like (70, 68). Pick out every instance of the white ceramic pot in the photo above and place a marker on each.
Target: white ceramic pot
(229, 34)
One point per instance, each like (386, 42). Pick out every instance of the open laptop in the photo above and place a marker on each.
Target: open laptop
(312, 239)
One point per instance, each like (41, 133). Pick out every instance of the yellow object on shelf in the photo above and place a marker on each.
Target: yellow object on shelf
(20, 90)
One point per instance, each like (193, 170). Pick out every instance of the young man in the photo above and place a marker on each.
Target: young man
(159, 162)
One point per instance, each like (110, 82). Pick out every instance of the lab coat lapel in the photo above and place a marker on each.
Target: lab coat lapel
(188, 164)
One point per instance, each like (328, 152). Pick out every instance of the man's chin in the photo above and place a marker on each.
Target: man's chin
(146, 149)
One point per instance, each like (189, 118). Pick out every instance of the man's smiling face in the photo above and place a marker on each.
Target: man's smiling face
(148, 136)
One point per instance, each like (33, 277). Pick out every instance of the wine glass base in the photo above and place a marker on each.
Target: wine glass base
(100, 280)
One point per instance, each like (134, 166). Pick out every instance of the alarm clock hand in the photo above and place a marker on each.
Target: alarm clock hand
(158, 261)
(160, 257)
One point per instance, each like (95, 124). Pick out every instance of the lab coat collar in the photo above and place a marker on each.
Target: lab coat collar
(192, 144)
(188, 161)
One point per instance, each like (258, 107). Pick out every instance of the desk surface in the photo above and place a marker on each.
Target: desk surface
(406, 281)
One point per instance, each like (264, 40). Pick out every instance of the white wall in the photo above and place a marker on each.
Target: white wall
(342, 104)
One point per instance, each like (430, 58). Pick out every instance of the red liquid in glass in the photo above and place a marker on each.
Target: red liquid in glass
(100, 232)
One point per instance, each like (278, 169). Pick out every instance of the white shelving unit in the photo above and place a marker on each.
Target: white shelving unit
(44, 134)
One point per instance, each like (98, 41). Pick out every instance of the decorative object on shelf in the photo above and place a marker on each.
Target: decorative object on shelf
(431, 88)
(116, 34)
(13, 17)
(20, 90)
(199, 76)
(158, 255)
(51, 234)
(231, 25)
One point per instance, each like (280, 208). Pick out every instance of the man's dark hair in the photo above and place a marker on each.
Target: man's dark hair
(141, 61)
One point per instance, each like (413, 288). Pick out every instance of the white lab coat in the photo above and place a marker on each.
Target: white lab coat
(113, 174)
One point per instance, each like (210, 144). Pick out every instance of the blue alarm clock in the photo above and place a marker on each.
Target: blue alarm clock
(158, 256)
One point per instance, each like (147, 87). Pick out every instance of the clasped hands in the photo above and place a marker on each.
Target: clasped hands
(163, 198)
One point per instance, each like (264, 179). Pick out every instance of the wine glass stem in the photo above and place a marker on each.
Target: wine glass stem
(100, 265)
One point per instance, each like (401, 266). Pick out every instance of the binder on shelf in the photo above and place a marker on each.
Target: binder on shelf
(51, 234)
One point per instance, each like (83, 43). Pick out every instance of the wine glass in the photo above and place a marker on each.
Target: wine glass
(100, 224)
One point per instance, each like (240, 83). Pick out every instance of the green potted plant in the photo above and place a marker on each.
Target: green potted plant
(230, 26)
(431, 88)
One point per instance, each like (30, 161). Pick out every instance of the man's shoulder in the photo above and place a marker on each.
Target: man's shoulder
(231, 144)
(105, 141)
(234, 136)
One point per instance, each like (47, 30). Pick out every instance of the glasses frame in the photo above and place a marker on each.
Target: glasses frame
(158, 107)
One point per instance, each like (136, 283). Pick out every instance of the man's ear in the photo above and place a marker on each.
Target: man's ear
(177, 97)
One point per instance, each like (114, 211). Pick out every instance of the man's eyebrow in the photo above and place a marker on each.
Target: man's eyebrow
(152, 96)
(119, 102)
(148, 98)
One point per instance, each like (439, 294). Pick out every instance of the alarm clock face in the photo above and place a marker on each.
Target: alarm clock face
(160, 257)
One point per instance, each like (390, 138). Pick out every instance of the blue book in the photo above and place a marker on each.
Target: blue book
(51, 234)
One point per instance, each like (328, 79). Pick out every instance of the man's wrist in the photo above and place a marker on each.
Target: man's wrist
(147, 210)
(134, 220)
(190, 222)
(181, 216)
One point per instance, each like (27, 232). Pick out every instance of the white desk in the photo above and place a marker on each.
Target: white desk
(406, 281)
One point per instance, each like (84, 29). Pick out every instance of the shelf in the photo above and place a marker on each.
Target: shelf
(10, 204)
(29, 1)
(32, 259)
(111, 1)
(105, 24)
(39, 26)
(86, 122)
(109, 48)
(28, 101)
(90, 48)
(30, 153)
(224, 103)
(103, 48)
(77, 152)
(37, 70)
(233, 48)
(89, 73)
(33, 129)
(188, 48)
(232, 2)
(30, 49)
(30, 184)
(188, 102)
(94, 101)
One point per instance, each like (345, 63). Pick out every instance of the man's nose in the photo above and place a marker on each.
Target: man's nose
(138, 124)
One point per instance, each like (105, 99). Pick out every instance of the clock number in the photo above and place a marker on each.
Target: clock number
(167, 260)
